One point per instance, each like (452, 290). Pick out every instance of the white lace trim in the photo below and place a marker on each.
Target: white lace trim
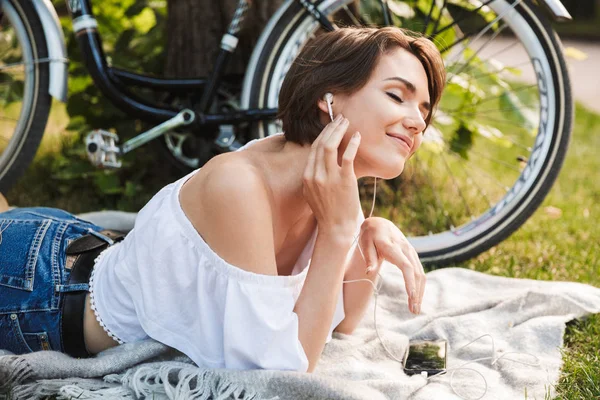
(93, 304)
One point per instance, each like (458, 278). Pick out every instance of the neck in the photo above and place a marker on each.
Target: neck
(291, 162)
(284, 164)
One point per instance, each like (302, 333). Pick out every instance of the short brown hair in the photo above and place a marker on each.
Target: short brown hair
(342, 62)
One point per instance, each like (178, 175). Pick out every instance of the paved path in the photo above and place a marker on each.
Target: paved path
(584, 74)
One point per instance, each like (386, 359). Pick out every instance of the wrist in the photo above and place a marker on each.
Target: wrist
(338, 235)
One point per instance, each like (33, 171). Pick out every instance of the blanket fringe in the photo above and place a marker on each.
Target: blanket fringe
(71, 392)
(13, 370)
(43, 388)
(191, 383)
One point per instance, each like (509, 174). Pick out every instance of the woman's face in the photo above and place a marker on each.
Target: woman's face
(394, 102)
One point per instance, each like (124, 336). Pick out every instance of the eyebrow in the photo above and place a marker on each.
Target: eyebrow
(411, 88)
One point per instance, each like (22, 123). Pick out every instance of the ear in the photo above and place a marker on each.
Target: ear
(322, 103)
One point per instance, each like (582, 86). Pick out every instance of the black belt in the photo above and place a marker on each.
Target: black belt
(81, 253)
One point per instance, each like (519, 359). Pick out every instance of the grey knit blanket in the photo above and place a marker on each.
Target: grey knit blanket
(517, 324)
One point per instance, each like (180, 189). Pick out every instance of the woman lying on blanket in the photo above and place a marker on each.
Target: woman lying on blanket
(217, 265)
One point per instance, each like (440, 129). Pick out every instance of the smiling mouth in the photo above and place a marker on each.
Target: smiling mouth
(400, 141)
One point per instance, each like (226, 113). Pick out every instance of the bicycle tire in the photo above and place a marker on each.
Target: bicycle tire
(509, 216)
(22, 151)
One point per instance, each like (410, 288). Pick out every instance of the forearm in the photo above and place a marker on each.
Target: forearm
(317, 301)
(356, 294)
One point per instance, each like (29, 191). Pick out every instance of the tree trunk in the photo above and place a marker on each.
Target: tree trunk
(195, 28)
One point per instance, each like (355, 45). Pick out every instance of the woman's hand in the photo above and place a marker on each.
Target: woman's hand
(380, 239)
(331, 190)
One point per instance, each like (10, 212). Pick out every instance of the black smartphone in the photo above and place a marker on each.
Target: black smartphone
(426, 356)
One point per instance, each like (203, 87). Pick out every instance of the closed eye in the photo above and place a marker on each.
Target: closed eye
(399, 100)
(396, 98)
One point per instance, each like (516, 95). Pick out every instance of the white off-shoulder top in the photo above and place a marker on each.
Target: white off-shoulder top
(163, 281)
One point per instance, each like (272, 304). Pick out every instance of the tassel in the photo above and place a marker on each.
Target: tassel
(191, 383)
(44, 388)
(74, 392)
(13, 370)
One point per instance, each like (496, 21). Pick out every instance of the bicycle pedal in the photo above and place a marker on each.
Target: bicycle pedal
(102, 150)
(226, 142)
(226, 136)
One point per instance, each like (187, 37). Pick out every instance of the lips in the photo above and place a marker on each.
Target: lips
(402, 138)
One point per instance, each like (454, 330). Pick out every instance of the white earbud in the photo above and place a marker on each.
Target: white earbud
(329, 99)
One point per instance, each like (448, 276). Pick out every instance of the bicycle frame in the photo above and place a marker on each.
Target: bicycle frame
(114, 82)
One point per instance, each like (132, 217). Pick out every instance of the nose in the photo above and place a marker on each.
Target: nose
(414, 122)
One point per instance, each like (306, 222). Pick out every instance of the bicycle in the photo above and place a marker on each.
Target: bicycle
(520, 141)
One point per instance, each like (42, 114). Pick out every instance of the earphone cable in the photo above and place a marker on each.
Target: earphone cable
(494, 359)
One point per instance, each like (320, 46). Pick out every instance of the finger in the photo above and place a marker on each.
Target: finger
(412, 256)
(309, 170)
(369, 252)
(394, 254)
(335, 136)
(331, 144)
(421, 292)
(332, 126)
(375, 267)
(422, 281)
(320, 168)
(320, 163)
(313, 155)
(419, 273)
(328, 129)
(350, 155)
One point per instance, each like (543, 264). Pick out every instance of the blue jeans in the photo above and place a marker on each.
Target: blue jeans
(33, 277)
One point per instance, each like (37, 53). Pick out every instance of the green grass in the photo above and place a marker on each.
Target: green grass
(564, 247)
(62, 177)
(561, 241)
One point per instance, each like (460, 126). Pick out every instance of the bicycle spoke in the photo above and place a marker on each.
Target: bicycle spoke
(456, 21)
(457, 42)
(428, 18)
(13, 65)
(506, 137)
(490, 73)
(460, 193)
(482, 32)
(481, 62)
(493, 67)
(3, 118)
(413, 183)
(470, 180)
(520, 88)
(351, 15)
(510, 46)
(491, 110)
(493, 36)
(483, 193)
(467, 170)
(492, 119)
(38, 61)
(5, 51)
(480, 171)
(435, 194)
(437, 21)
(500, 162)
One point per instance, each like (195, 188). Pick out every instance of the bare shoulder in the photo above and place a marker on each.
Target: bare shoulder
(229, 205)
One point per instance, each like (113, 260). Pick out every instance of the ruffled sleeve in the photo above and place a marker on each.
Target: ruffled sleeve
(261, 329)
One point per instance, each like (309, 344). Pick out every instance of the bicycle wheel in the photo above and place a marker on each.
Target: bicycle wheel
(24, 98)
(498, 138)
